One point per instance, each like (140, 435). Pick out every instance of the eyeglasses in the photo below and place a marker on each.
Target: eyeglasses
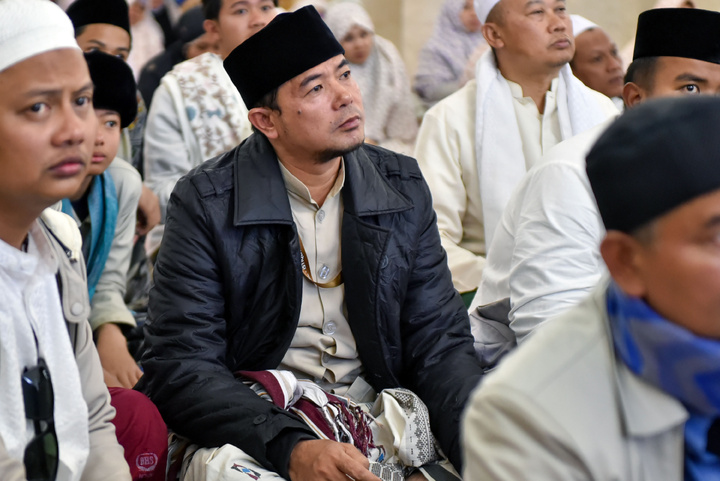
(41, 454)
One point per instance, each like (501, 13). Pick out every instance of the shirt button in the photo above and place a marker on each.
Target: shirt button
(329, 328)
(321, 216)
(325, 358)
(76, 309)
(324, 272)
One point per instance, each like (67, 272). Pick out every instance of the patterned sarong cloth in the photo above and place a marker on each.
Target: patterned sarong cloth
(394, 432)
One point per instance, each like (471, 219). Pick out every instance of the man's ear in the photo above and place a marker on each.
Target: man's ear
(623, 257)
(493, 35)
(633, 94)
(263, 119)
(211, 27)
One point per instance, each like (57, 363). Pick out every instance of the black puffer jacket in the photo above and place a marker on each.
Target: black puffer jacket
(228, 287)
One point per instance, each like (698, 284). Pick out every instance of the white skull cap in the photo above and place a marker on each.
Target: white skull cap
(581, 24)
(32, 27)
(483, 7)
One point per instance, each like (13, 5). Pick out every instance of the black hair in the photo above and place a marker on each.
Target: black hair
(268, 101)
(641, 72)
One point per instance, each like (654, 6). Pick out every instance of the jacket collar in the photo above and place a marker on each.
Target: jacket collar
(646, 410)
(261, 198)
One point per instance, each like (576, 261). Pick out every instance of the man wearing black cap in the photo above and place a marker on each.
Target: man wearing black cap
(545, 258)
(624, 386)
(307, 251)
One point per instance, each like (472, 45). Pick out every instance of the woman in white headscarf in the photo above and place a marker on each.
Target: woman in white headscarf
(626, 54)
(379, 71)
(443, 58)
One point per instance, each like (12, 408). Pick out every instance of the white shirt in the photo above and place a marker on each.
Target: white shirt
(32, 325)
(323, 348)
(446, 152)
(545, 255)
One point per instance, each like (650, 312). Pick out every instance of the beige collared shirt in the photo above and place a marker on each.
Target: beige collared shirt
(539, 132)
(323, 348)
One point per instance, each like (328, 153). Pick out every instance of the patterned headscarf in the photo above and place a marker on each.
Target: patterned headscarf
(444, 56)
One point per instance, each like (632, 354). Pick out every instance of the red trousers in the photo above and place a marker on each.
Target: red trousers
(141, 431)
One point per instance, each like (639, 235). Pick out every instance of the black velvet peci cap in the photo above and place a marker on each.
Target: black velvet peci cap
(291, 44)
(654, 158)
(115, 87)
(87, 12)
(678, 32)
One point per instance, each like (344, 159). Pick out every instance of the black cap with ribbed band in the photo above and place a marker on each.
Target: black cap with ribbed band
(678, 32)
(291, 44)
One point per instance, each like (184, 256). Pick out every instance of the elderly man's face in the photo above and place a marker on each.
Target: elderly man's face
(239, 20)
(47, 127)
(536, 32)
(678, 269)
(322, 114)
(597, 62)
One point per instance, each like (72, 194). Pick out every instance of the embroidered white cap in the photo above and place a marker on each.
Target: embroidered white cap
(581, 24)
(483, 7)
(32, 27)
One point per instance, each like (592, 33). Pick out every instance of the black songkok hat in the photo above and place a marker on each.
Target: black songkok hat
(291, 44)
(115, 87)
(87, 12)
(654, 158)
(678, 32)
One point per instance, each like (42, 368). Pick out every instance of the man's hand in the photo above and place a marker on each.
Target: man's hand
(323, 460)
(119, 368)
(148, 213)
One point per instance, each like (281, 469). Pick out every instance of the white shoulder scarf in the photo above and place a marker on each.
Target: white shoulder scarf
(498, 145)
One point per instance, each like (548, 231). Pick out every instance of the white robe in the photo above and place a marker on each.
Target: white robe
(545, 255)
(448, 146)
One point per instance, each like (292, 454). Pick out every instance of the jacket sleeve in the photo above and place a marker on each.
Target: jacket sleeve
(105, 460)
(186, 374)
(438, 353)
(443, 151)
(108, 304)
(507, 436)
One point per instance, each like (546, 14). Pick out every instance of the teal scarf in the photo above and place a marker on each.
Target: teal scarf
(103, 209)
(678, 362)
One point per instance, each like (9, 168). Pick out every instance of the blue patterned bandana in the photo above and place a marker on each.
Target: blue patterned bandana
(673, 359)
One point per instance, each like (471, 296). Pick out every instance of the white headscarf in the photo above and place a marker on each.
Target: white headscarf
(444, 56)
(385, 88)
(32, 27)
(483, 7)
(581, 24)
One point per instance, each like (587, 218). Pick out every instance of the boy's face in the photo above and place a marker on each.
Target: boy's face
(109, 39)
(47, 124)
(107, 141)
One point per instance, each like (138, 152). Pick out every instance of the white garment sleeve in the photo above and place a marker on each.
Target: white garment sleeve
(556, 258)
(441, 150)
(108, 304)
(506, 435)
(167, 148)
